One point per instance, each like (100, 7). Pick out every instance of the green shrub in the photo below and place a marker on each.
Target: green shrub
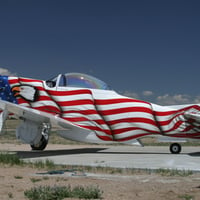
(11, 159)
(47, 164)
(61, 192)
(174, 172)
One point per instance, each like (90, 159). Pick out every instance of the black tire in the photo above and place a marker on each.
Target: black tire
(42, 144)
(175, 148)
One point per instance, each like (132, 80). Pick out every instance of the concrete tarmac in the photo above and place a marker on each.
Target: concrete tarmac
(149, 157)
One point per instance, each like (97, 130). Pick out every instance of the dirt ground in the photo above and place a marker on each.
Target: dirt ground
(15, 180)
(139, 186)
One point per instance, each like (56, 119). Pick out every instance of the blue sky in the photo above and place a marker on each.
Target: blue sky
(145, 49)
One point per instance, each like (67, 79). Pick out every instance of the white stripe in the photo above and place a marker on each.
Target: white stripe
(82, 107)
(31, 83)
(106, 94)
(104, 127)
(128, 134)
(24, 104)
(90, 117)
(172, 124)
(164, 118)
(121, 105)
(128, 115)
(44, 93)
(135, 124)
(44, 103)
(72, 97)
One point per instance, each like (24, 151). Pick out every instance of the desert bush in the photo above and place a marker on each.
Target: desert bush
(61, 192)
(11, 159)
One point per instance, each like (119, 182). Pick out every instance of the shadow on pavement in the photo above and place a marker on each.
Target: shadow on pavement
(46, 153)
(35, 154)
(194, 154)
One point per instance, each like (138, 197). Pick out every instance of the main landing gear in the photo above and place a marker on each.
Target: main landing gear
(44, 139)
(175, 148)
(42, 144)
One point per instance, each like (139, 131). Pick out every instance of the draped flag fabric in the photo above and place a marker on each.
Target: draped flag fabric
(112, 118)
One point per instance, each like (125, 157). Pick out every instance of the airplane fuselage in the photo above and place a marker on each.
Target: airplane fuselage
(101, 114)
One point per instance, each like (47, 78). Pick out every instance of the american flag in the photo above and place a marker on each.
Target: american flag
(111, 116)
(5, 90)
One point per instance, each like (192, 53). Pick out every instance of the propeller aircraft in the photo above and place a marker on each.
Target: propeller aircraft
(83, 108)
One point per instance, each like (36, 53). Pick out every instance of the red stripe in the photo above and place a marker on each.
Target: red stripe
(191, 107)
(83, 112)
(104, 138)
(29, 80)
(66, 93)
(124, 110)
(49, 109)
(45, 98)
(115, 101)
(76, 102)
(82, 119)
(95, 128)
(39, 88)
(164, 113)
(176, 126)
(188, 128)
(133, 120)
(128, 129)
(13, 81)
(167, 122)
(21, 100)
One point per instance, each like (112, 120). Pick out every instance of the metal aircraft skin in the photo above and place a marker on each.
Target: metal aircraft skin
(83, 108)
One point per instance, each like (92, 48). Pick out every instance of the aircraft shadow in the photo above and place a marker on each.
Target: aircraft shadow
(46, 153)
(152, 153)
(194, 154)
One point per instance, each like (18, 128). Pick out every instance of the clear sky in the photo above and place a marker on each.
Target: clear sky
(143, 48)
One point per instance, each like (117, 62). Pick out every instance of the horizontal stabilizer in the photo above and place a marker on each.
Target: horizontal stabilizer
(170, 139)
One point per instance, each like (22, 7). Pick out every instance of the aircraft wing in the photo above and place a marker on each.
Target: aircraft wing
(65, 128)
(36, 116)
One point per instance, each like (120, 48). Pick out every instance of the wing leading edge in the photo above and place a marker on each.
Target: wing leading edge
(34, 119)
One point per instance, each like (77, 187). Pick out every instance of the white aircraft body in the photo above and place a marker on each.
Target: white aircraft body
(83, 108)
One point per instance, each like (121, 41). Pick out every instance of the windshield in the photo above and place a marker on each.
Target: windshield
(77, 80)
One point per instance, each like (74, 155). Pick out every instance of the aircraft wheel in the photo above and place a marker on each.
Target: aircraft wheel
(42, 144)
(175, 148)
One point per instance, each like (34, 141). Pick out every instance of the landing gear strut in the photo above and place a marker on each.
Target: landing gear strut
(175, 148)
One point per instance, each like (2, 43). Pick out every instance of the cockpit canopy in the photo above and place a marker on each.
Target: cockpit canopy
(77, 80)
